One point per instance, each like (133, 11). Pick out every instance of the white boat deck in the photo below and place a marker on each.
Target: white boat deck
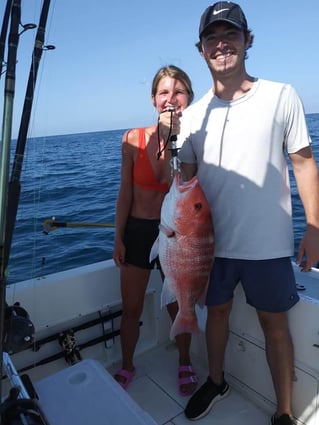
(155, 390)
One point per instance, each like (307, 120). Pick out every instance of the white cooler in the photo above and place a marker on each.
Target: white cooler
(86, 394)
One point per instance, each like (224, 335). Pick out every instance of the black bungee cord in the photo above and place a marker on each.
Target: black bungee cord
(160, 151)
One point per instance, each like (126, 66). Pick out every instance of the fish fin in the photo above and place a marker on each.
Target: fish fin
(182, 325)
(167, 231)
(167, 296)
(154, 250)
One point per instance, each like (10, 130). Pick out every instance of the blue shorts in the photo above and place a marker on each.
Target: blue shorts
(269, 285)
(139, 236)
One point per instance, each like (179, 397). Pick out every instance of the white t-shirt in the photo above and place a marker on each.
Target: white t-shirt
(240, 148)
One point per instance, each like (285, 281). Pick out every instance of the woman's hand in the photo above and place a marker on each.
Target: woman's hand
(119, 253)
(169, 123)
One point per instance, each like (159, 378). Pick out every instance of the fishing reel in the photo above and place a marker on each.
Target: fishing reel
(18, 329)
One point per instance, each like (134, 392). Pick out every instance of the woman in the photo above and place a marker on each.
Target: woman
(145, 177)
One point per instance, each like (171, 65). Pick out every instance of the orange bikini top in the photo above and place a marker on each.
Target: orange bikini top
(143, 174)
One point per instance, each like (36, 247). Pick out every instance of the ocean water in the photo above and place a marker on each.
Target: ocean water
(75, 178)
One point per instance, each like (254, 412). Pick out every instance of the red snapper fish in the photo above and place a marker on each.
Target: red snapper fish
(185, 246)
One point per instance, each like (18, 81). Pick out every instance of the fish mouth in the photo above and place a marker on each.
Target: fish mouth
(183, 186)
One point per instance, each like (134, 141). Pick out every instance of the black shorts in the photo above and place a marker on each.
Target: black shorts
(139, 237)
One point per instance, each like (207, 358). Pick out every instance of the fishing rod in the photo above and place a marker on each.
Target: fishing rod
(9, 90)
(51, 224)
(4, 30)
(13, 407)
(14, 184)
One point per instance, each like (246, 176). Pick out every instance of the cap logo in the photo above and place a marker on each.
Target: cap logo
(223, 11)
(216, 12)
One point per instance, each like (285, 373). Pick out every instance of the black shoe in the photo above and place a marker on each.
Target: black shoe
(284, 419)
(204, 399)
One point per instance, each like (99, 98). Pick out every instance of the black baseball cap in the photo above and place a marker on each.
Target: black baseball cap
(223, 11)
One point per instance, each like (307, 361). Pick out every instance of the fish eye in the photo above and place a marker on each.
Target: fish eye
(198, 206)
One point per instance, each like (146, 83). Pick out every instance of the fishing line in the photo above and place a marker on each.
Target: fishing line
(28, 115)
(32, 130)
(161, 150)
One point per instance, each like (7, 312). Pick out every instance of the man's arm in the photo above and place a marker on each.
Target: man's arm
(307, 178)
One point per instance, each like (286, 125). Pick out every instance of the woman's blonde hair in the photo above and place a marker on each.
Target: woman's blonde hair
(173, 72)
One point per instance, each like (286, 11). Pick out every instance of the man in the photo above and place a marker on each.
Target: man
(236, 139)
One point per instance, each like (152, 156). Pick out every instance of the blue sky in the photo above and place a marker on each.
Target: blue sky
(107, 52)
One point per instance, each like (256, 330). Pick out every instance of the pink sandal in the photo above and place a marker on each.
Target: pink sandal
(185, 380)
(128, 375)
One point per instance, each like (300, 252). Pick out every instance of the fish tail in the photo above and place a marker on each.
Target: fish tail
(182, 325)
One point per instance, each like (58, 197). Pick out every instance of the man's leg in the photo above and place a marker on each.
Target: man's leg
(279, 352)
(215, 388)
(216, 339)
